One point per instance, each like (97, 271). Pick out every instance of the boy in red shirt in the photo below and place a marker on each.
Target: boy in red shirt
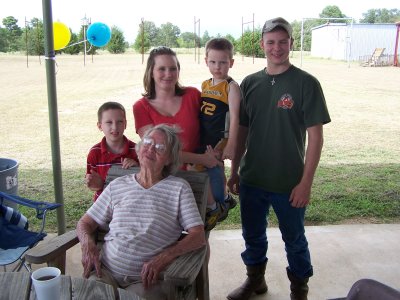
(114, 148)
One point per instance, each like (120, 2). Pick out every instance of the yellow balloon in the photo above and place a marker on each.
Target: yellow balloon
(62, 35)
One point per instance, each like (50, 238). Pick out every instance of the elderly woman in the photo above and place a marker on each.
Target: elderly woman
(146, 213)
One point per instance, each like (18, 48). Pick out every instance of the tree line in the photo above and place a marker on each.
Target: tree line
(30, 39)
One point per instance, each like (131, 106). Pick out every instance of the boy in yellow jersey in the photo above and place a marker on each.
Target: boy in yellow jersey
(219, 111)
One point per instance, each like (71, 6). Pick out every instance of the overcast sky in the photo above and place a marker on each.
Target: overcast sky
(215, 16)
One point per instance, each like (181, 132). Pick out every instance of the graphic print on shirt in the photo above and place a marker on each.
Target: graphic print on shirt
(285, 102)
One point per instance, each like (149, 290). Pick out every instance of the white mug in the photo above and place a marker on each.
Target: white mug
(47, 283)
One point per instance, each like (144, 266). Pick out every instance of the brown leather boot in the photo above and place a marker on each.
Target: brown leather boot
(298, 287)
(255, 283)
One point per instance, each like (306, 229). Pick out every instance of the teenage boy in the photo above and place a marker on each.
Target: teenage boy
(281, 107)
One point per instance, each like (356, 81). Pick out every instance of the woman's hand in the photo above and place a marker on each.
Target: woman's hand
(152, 269)
(90, 254)
(90, 258)
(211, 158)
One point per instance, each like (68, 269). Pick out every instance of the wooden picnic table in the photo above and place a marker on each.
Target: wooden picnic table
(18, 285)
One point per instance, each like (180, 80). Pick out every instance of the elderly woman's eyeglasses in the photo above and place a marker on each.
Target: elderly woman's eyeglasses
(148, 142)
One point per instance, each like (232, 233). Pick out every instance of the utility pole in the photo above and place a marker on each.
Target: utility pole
(142, 40)
(196, 44)
(252, 38)
(85, 24)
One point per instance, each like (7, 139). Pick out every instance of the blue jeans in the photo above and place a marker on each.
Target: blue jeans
(254, 208)
(217, 183)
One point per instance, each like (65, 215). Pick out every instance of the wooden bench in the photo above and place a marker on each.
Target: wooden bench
(187, 276)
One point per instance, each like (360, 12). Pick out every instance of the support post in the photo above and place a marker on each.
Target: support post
(53, 111)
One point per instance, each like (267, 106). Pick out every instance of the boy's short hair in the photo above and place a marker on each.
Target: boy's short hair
(107, 106)
(220, 44)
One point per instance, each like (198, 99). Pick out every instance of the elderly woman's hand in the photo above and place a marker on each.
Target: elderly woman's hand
(152, 269)
(90, 259)
(90, 254)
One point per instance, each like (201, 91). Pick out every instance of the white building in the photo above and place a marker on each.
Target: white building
(352, 42)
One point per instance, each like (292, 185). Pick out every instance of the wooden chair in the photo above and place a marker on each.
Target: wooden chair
(187, 276)
(376, 57)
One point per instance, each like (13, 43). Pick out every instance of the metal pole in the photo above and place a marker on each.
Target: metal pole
(142, 41)
(396, 46)
(53, 111)
(252, 40)
(38, 40)
(85, 24)
(194, 34)
(84, 45)
(349, 44)
(242, 42)
(196, 43)
(26, 43)
(301, 42)
(198, 54)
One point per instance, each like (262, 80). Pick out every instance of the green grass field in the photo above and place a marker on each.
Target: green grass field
(358, 180)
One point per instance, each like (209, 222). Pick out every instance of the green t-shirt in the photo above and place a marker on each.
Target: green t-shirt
(277, 111)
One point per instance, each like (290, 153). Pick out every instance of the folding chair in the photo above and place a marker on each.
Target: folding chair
(15, 238)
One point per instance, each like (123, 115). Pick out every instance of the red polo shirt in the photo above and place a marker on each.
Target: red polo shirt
(100, 159)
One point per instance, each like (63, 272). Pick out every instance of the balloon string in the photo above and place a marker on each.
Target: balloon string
(87, 51)
(73, 45)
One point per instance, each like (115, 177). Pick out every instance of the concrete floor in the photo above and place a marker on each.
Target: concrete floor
(341, 254)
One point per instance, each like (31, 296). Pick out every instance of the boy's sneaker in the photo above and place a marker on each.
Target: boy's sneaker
(224, 209)
(211, 218)
(230, 202)
(214, 216)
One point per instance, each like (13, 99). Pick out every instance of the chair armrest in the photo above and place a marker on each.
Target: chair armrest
(125, 295)
(52, 249)
(185, 268)
(40, 206)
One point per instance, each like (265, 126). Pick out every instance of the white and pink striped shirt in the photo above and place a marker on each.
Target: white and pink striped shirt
(142, 222)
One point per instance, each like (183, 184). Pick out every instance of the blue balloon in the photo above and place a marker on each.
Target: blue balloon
(98, 34)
